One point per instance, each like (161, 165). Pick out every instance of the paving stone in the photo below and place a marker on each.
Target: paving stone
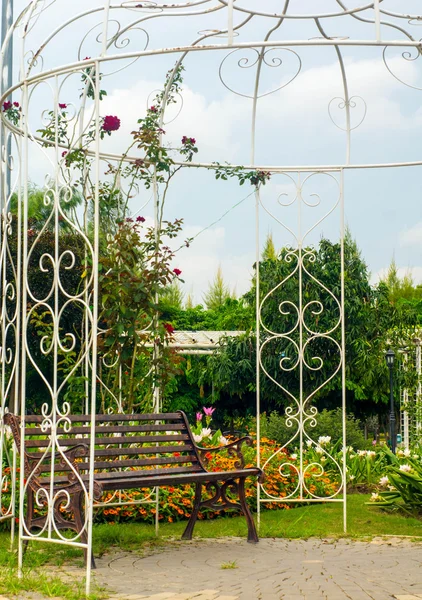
(274, 569)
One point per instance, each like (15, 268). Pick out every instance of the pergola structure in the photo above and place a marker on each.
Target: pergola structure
(58, 127)
(199, 342)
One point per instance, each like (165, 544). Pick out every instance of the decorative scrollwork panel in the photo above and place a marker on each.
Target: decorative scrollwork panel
(301, 343)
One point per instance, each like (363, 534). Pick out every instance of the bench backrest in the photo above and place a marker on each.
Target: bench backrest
(162, 443)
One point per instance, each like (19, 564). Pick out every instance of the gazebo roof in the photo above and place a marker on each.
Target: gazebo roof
(199, 342)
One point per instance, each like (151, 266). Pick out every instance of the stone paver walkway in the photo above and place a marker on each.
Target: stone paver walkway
(274, 569)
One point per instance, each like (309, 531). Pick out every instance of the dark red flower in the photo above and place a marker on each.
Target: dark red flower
(62, 106)
(177, 272)
(111, 123)
(169, 328)
(64, 153)
(7, 105)
(16, 104)
(153, 109)
(87, 58)
(140, 219)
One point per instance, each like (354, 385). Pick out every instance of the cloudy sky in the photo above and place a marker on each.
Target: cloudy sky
(382, 207)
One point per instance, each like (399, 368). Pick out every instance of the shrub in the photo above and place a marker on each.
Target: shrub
(328, 422)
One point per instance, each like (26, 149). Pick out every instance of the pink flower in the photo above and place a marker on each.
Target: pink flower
(140, 219)
(208, 411)
(199, 416)
(7, 106)
(111, 123)
(177, 272)
(62, 106)
(188, 140)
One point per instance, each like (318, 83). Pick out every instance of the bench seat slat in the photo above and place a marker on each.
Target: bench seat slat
(31, 431)
(168, 477)
(110, 418)
(127, 439)
(116, 451)
(44, 467)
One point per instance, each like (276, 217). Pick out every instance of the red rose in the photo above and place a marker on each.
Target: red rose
(62, 106)
(169, 328)
(111, 123)
(7, 106)
(177, 272)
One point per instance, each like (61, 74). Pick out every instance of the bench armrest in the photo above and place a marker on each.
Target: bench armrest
(234, 450)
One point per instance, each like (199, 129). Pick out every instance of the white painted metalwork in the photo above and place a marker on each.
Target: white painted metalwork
(411, 399)
(246, 37)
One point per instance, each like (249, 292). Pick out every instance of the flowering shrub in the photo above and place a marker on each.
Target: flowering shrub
(12, 111)
(401, 485)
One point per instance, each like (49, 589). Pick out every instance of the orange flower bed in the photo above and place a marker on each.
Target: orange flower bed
(175, 502)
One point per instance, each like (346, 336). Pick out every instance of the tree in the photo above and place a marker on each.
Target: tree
(218, 292)
(269, 252)
(173, 295)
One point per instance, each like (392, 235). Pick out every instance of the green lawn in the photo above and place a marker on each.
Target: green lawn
(316, 520)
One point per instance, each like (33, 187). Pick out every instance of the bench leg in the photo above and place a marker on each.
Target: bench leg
(187, 534)
(252, 535)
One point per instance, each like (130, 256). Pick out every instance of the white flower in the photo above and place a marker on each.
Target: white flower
(370, 453)
(351, 477)
(319, 450)
(406, 452)
(293, 456)
(415, 456)
(206, 432)
(222, 440)
(391, 488)
(323, 459)
(361, 452)
(324, 439)
(375, 497)
(405, 468)
(400, 453)
(309, 443)
(197, 438)
(384, 480)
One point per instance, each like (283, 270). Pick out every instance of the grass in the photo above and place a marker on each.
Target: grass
(316, 520)
(229, 565)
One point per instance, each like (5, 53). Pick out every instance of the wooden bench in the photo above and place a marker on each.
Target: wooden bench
(131, 451)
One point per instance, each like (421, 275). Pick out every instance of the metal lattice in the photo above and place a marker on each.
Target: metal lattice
(238, 37)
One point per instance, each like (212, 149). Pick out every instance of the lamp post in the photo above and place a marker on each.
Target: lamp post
(389, 358)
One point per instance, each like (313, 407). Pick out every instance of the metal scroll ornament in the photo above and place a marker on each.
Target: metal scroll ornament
(301, 353)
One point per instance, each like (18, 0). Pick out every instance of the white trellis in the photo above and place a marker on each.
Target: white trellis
(410, 414)
(237, 36)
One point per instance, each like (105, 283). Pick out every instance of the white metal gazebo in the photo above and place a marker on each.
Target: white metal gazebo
(53, 123)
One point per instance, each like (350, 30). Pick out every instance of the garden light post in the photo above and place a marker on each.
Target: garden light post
(389, 357)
